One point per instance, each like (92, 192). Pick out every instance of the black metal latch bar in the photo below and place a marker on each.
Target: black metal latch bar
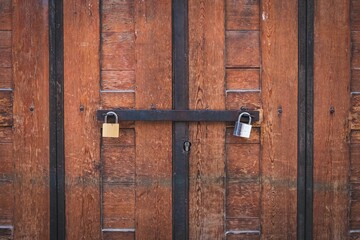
(177, 115)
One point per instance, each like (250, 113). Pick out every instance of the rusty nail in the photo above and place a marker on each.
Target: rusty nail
(332, 110)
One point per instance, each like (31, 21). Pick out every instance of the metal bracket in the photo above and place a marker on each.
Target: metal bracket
(177, 115)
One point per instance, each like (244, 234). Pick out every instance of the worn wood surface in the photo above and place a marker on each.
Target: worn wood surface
(6, 180)
(82, 134)
(242, 14)
(6, 14)
(6, 108)
(30, 54)
(206, 91)
(331, 89)
(242, 79)
(354, 179)
(279, 36)
(242, 49)
(153, 140)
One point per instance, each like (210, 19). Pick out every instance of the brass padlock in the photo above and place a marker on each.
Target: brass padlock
(111, 129)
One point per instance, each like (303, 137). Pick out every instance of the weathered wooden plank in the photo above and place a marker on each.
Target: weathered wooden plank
(6, 135)
(242, 200)
(114, 235)
(242, 49)
(355, 137)
(331, 89)
(243, 236)
(118, 51)
(6, 162)
(355, 81)
(153, 140)
(82, 134)
(242, 224)
(117, 16)
(242, 15)
(118, 80)
(206, 91)
(126, 138)
(30, 51)
(355, 55)
(355, 112)
(243, 161)
(118, 206)
(6, 78)
(6, 108)
(5, 15)
(242, 79)
(355, 15)
(118, 164)
(355, 36)
(355, 162)
(118, 99)
(254, 137)
(6, 202)
(279, 89)
(248, 100)
(5, 57)
(5, 39)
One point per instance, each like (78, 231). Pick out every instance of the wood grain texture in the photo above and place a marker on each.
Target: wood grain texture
(117, 100)
(118, 206)
(82, 134)
(206, 91)
(240, 79)
(118, 236)
(30, 51)
(5, 39)
(117, 80)
(5, 14)
(153, 140)
(5, 57)
(279, 34)
(355, 112)
(117, 51)
(239, 224)
(243, 236)
(242, 49)
(6, 108)
(354, 217)
(248, 100)
(242, 15)
(331, 89)
(355, 80)
(355, 15)
(6, 80)
(117, 16)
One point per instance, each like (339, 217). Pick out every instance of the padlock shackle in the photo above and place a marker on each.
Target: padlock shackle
(114, 114)
(246, 114)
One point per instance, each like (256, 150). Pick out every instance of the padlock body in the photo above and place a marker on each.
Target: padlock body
(242, 130)
(110, 130)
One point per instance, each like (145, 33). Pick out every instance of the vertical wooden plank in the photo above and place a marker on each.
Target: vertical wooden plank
(31, 112)
(153, 140)
(331, 86)
(279, 38)
(206, 91)
(82, 138)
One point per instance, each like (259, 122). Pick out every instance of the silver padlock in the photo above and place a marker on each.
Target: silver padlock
(243, 129)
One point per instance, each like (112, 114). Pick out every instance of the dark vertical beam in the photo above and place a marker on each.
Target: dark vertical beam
(180, 129)
(57, 180)
(305, 119)
(309, 118)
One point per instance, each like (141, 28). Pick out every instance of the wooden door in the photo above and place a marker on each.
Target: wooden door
(241, 54)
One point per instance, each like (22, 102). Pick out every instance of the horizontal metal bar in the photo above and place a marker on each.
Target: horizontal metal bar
(177, 115)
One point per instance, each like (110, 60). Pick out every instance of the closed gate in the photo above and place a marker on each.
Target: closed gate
(178, 74)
